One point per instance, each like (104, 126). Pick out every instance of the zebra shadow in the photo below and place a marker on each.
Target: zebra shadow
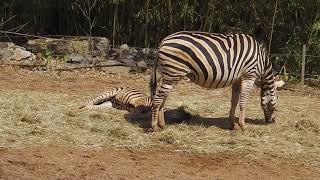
(180, 115)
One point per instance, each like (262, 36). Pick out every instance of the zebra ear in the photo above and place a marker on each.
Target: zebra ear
(279, 83)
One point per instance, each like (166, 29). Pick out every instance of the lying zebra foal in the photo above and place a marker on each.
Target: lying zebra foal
(123, 98)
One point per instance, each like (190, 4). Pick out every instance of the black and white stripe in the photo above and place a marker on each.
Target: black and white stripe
(214, 61)
(123, 98)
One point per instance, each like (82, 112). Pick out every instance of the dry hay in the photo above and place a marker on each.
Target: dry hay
(199, 126)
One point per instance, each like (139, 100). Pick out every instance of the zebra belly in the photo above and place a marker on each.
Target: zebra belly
(214, 84)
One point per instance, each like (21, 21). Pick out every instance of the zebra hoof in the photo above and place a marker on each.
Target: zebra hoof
(238, 127)
(161, 125)
(161, 121)
(269, 121)
(154, 129)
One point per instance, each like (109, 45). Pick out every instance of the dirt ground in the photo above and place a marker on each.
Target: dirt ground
(52, 161)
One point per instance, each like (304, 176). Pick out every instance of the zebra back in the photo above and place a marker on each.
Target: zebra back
(210, 60)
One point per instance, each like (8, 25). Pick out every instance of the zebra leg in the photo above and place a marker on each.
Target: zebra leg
(157, 106)
(234, 102)
(161, 121)
(246, 88)
(104, 105)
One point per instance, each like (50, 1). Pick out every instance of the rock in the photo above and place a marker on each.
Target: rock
(142, 64)
(60, 47)
(77, 59)
(4, 45)
(139, 55)
(124, 47)
(10, 51)
(20, 54)
(78, 45)
(101, 44)
(141, 67)
(6, 54)
(146, 50)
(110, 63)
(313, 82)
(124, 53)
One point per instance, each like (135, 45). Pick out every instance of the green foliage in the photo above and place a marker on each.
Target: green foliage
(48, 55)
(315, 36)
(66, 57)
(284, 74)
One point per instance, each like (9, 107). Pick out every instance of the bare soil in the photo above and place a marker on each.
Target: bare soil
(52, 161)
(55, 162)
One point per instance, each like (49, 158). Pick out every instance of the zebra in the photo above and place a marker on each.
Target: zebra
(213, 61)
(123, 98)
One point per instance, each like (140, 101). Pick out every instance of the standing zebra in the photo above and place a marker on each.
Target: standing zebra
(214, 61)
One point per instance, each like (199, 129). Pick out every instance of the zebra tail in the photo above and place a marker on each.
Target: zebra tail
(153, 79)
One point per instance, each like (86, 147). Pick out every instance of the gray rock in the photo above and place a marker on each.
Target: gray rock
(20, 54)
(102, 45)
(4, 45)
(6, 54)
(60, 47)
(124, 47)
(142, 64)
(110, 63)
(141, 67)
(77, 59)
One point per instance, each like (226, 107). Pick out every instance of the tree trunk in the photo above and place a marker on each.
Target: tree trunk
(209, 16)
(146, 23)
(115, 19)
(170, 16)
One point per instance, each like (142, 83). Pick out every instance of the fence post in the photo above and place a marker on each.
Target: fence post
(303, 65)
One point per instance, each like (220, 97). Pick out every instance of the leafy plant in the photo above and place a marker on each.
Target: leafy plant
(66, 57)
(48, 55)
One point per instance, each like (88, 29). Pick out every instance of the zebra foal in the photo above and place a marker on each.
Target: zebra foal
(214, 61)
(122, 98)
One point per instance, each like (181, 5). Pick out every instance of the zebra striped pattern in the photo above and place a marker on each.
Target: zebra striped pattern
(214, 61)
(123, 98)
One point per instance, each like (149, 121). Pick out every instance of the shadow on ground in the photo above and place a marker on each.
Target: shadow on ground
(180, 115)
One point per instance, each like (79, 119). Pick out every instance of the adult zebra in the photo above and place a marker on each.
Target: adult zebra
(214, 61)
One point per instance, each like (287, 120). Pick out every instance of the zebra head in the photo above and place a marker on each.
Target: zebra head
(143, 104)
(269, 99)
